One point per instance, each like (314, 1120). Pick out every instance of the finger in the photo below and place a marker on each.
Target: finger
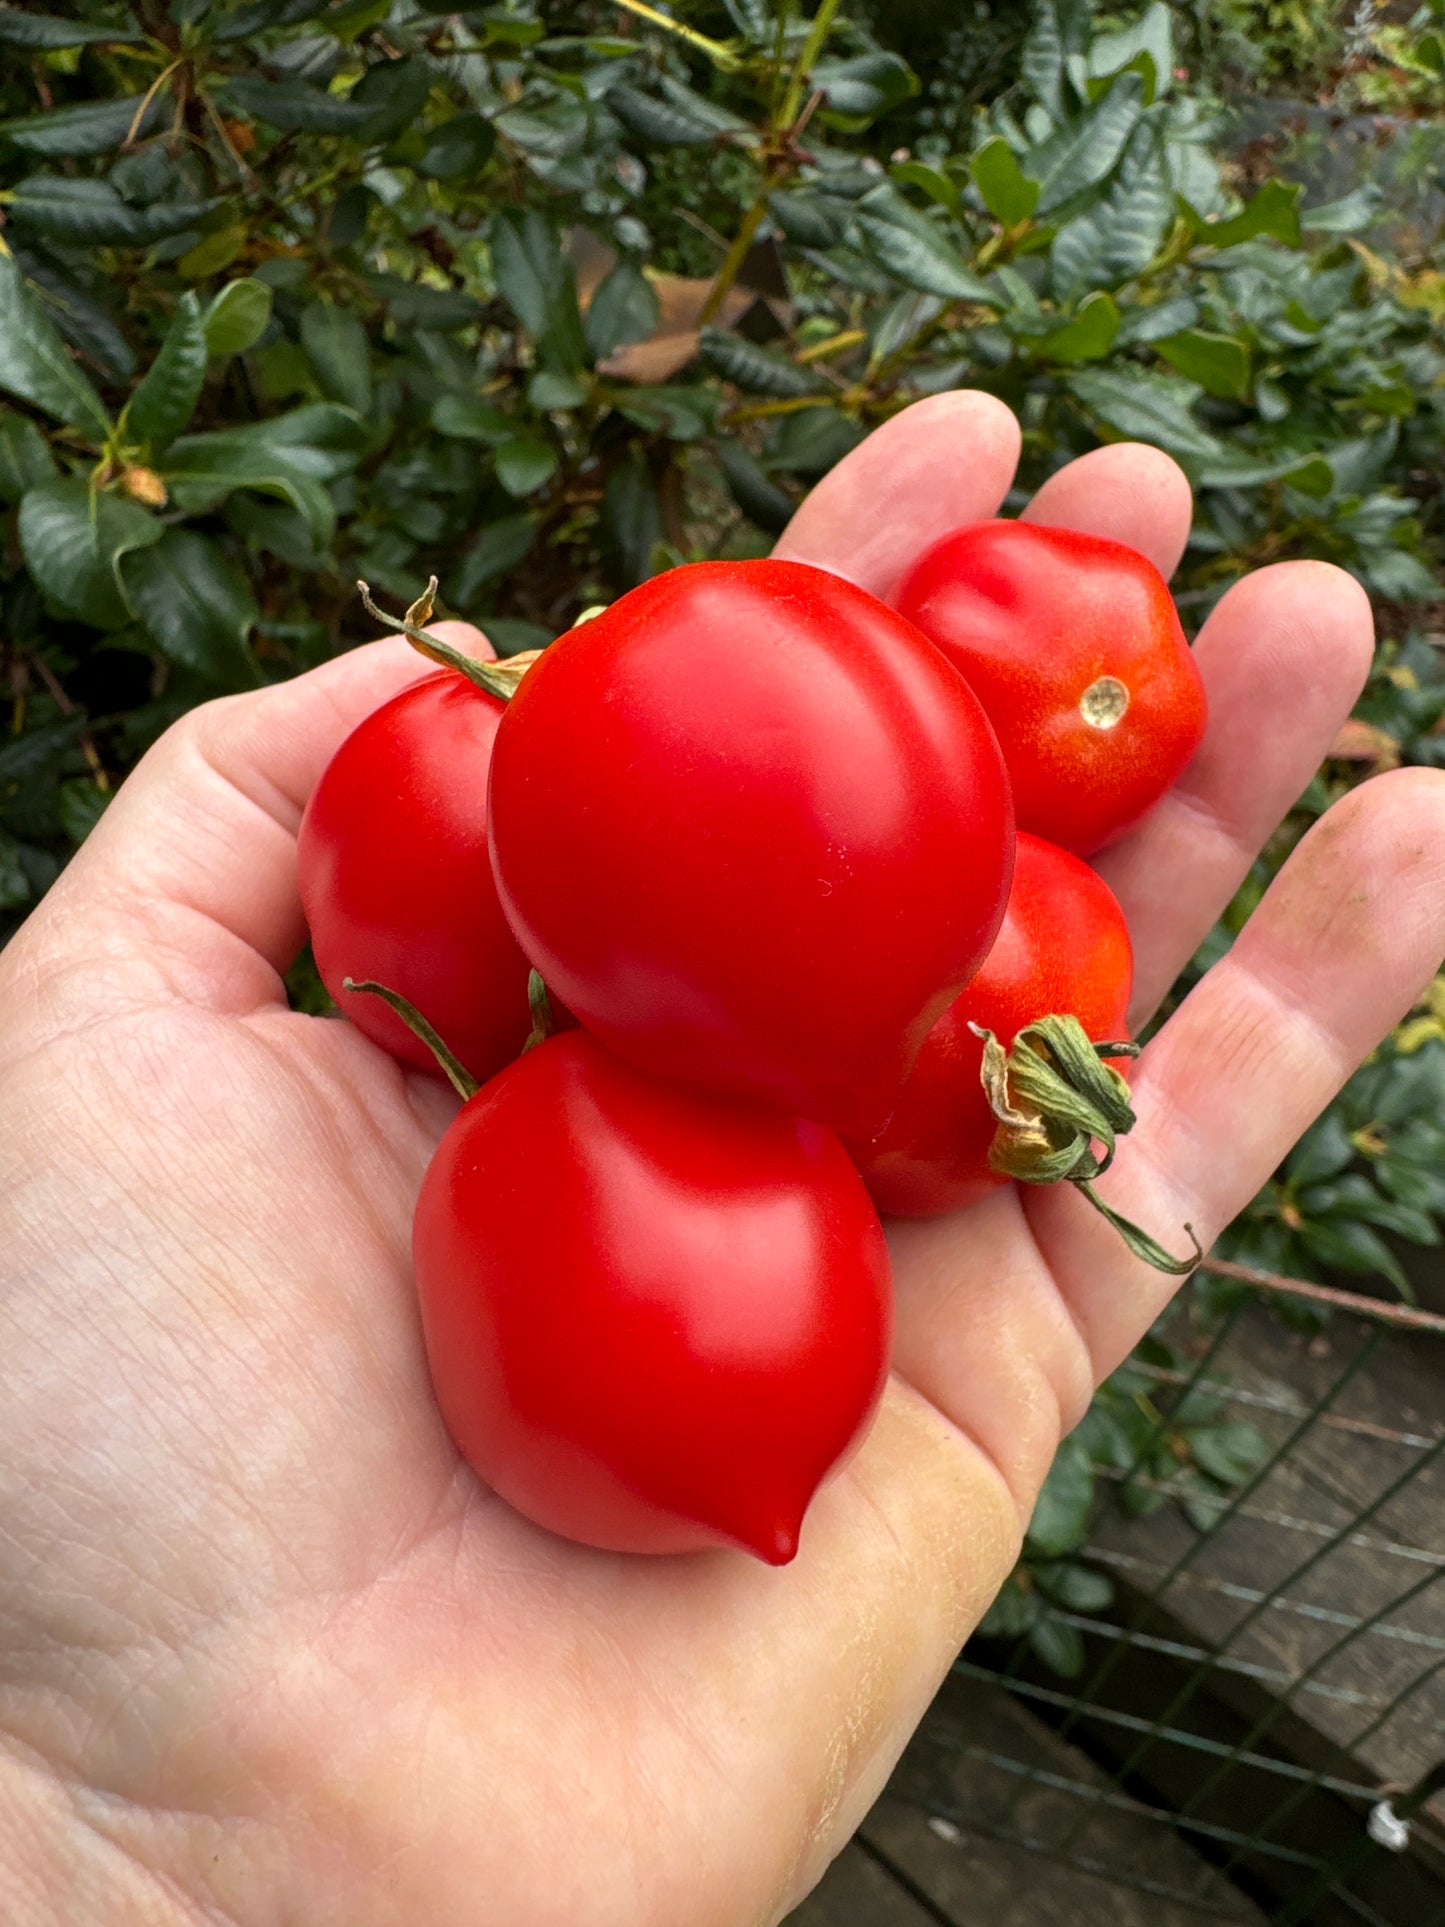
(1284, 657)
(1127, 492)
(194, 863)
(1341, 946)
(1008, 1333)
(942, 462)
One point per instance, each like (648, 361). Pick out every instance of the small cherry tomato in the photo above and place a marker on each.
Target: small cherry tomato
(654, 1321)
(396, 881)
(1073, 646)
(754, 832)
(1063, 947)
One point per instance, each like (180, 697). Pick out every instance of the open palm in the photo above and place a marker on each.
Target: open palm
(268, 1652)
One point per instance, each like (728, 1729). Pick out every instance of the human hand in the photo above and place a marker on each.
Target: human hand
(268, 1651)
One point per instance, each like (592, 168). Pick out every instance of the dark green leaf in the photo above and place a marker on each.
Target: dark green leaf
(1219, 363)
(760, 499)
(89, 127)
(1060, 29)
(1058, 1645)
(1230, 1452)
(551, 391)
(15, 889)
(1008, 194)
(47, 31)
(810, 442)
(808, 220)
(937, 186)
(337, 347)
(1146, 408)
(755, 370)
(1061, 1511)
(35, 363)
(1011, 1613)
(196, 609)
(1348, 215)
(1325, 1150)
(632, 521)
(412, 304)
(1088, 337)
(1354, 1248)
(91, 213)
(865, 86)
(1083, 152)
(462, 145)
(237, 318)
(658, 121)
(82, 803)
(73, 538)
(914, 249)
(1077, 1587)
(624, 309)
(290, 456)
(470, 419)
(499, 549)
(536, 283)
(682, 414)
(170, 388)
(295, 106)
(25, 461)
(525, 465)
(394, 94)
(1273, 211)
(1310, 474)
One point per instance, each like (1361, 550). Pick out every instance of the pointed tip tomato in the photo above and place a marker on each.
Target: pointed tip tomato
(654, 1321)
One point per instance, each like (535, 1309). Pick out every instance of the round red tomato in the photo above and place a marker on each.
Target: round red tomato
(1073, 646)
(396, 881)
(654, 1321)
(1063, 947)
(754, 832)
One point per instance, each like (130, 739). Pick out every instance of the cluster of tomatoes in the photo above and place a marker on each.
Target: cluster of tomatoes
(713, 911)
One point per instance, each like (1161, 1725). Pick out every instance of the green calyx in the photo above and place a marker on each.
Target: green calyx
(544, 1018)
(499, 679)
(1055, 1097)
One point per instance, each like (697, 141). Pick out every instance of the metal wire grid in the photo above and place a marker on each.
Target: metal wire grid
(1357, 1667)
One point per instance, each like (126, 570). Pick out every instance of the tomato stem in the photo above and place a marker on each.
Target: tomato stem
(499, 679)
(456, 1072)
(1054, 1097)
(544, 1018)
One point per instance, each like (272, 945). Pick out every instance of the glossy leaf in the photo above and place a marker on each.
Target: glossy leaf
(170, 388)
(912, 248)
(48, 30)
(35, 363)
(1273, 211)
(525, 465)
(1061, 1511)
(658, 121)
(195, 608)
(759, 498)
(755, 370)
(25, 461)
(623, 309)
(460, 146)
(1219, 363)
(1087, 337)
(536, 283)
(89, 127)
(865, 86)
(91, 214)
(237, 318)
(337, 347)
(1145, 407)
(469, 418)
(1008, 194)
(73, 537)
(1082, 153)
(294, 105)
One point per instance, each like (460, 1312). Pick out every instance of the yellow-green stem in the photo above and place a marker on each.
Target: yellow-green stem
(733, 260)
(803, 66)
(720, 55)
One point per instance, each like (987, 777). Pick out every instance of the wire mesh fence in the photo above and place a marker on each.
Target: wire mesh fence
(1257, 1729)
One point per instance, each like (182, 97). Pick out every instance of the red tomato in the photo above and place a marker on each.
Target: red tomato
(1072, 645)
(397, 884)
(654, 1321)
(754, 832)
(1064, 947)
